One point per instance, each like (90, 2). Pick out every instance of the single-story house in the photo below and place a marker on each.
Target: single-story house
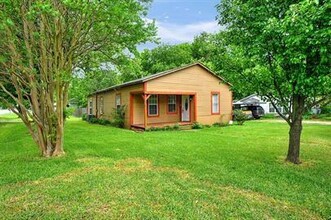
(184, 95)
(257, 101)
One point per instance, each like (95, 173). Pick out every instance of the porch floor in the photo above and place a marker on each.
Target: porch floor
(160, 125)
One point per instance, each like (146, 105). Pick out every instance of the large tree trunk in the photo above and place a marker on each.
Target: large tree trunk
(50, 146)
(293, 154)
(48, 114)
(294, 142)
(49, 134)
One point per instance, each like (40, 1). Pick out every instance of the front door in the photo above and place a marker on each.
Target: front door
(185, 108)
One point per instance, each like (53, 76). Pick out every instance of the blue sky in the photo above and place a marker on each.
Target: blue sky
(179, 21)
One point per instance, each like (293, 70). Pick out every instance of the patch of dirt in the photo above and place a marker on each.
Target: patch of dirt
(133, 165)
(141, 165)
(95, 160)
(304, 163)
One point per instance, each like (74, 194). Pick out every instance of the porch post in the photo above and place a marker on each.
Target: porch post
(131, 108)
(145, 97)
(195, 107)
(145, 111)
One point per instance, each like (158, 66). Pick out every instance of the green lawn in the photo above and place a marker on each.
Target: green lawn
(228, 172)
(9, 117)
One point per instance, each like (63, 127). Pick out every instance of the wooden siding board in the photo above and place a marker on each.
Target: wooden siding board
(109, 101)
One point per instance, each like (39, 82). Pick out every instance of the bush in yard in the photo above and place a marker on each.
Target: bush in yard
(167, 128)
(93, 120)
(176, 127)
(326, 109)
(197, 125)
(308, 115)
(68, 112)
(219, 124)
(239, 116)
(154, 129)
(84, 117)
(118, 116)
(269, 116)
(104, 122)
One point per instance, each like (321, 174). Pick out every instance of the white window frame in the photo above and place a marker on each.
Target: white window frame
(172, 102)
(101, 105)
(215, 106)
(155, 99)
(118, 101)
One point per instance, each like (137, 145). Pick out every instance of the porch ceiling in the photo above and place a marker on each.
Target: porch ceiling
(169, 93)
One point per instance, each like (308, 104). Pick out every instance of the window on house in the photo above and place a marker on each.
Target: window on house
(91, 107)
(101, 105)
(172, 104)
(118, 101)
(153, 105)
(215, 103)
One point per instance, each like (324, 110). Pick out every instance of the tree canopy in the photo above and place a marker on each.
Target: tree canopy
(165, 57)
(285, 48)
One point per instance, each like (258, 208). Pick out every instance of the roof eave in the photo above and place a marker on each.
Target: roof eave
(116, 87)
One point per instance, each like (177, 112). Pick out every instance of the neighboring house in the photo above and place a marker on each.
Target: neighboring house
(183, 95)
(257, 100)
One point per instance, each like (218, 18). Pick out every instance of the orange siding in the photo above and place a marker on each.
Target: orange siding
(138, 109)
(195, 79)
(163, 116)
(109, 102)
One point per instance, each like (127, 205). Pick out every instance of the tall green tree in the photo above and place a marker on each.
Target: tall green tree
(165, 57)
(287, 50)
(42, 41)
(92, 76)
(84, 83)
(224, 58)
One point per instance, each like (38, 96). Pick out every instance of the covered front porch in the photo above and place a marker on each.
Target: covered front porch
(158, 109)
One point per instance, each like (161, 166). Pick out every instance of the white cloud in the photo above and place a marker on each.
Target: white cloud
(176, 33)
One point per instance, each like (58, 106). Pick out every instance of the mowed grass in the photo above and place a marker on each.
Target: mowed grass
(213, 173)
(9, 117)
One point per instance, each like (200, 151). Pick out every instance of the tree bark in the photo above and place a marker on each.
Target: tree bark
(294, 143)
(293, 154)
(49, 138)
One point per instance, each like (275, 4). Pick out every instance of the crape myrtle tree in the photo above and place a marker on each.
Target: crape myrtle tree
(42, 41)
(286, 45)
